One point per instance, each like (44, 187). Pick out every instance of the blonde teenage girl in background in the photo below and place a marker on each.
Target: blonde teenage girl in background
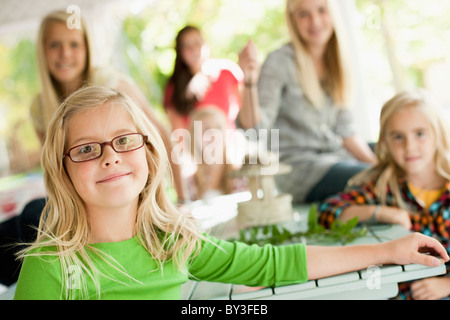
(65, 61)
(303, 92)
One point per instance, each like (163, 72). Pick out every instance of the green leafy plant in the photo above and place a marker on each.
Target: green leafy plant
(276, 234)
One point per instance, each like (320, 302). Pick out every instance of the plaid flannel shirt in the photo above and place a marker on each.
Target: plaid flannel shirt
(434, 221)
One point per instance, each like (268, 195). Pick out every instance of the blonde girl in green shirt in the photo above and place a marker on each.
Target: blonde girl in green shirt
(109, 231)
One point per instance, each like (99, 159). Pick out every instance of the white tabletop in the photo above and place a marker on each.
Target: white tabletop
(375, 282)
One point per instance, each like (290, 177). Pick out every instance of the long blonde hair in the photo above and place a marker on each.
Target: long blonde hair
(219, 118)
(49, 97)
(338, 82)
(387, 173)
(166, 233)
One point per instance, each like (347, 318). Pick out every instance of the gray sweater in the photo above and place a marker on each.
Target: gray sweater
(310, 139)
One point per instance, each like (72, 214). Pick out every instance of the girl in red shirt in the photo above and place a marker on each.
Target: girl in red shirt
(199, 80)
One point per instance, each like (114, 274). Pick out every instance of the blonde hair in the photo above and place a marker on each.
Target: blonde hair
(49, 97)
(210, 111)
(387, 173)
(337, 83)
(214, 112)
(166, 233)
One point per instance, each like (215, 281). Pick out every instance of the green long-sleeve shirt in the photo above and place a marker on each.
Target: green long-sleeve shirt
(229, 262)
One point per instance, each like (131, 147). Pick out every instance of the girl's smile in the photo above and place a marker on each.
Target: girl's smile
(114, 177)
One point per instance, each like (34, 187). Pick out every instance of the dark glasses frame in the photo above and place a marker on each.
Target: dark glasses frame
(106, 143)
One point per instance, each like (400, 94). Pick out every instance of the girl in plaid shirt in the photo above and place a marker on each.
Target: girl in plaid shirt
(410, 184)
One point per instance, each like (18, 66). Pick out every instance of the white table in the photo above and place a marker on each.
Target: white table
(376, 282)
(16, 191)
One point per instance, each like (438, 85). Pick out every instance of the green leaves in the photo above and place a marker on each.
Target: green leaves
(313, 221)
(272, 234)
(341, 232)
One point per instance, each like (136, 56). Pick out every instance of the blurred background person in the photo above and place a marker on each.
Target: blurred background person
(303, 91)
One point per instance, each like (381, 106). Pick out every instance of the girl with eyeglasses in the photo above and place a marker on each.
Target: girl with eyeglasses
(65, 59)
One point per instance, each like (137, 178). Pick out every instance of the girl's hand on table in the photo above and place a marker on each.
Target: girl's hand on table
(411, 248)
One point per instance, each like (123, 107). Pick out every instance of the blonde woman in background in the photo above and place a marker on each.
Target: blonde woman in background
(65, 62)
(304, 91)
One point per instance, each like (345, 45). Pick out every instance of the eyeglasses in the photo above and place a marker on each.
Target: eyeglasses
(93, 150)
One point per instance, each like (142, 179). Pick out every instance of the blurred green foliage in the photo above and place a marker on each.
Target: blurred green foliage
(420, 33)
(19, 83)
(19, 77)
